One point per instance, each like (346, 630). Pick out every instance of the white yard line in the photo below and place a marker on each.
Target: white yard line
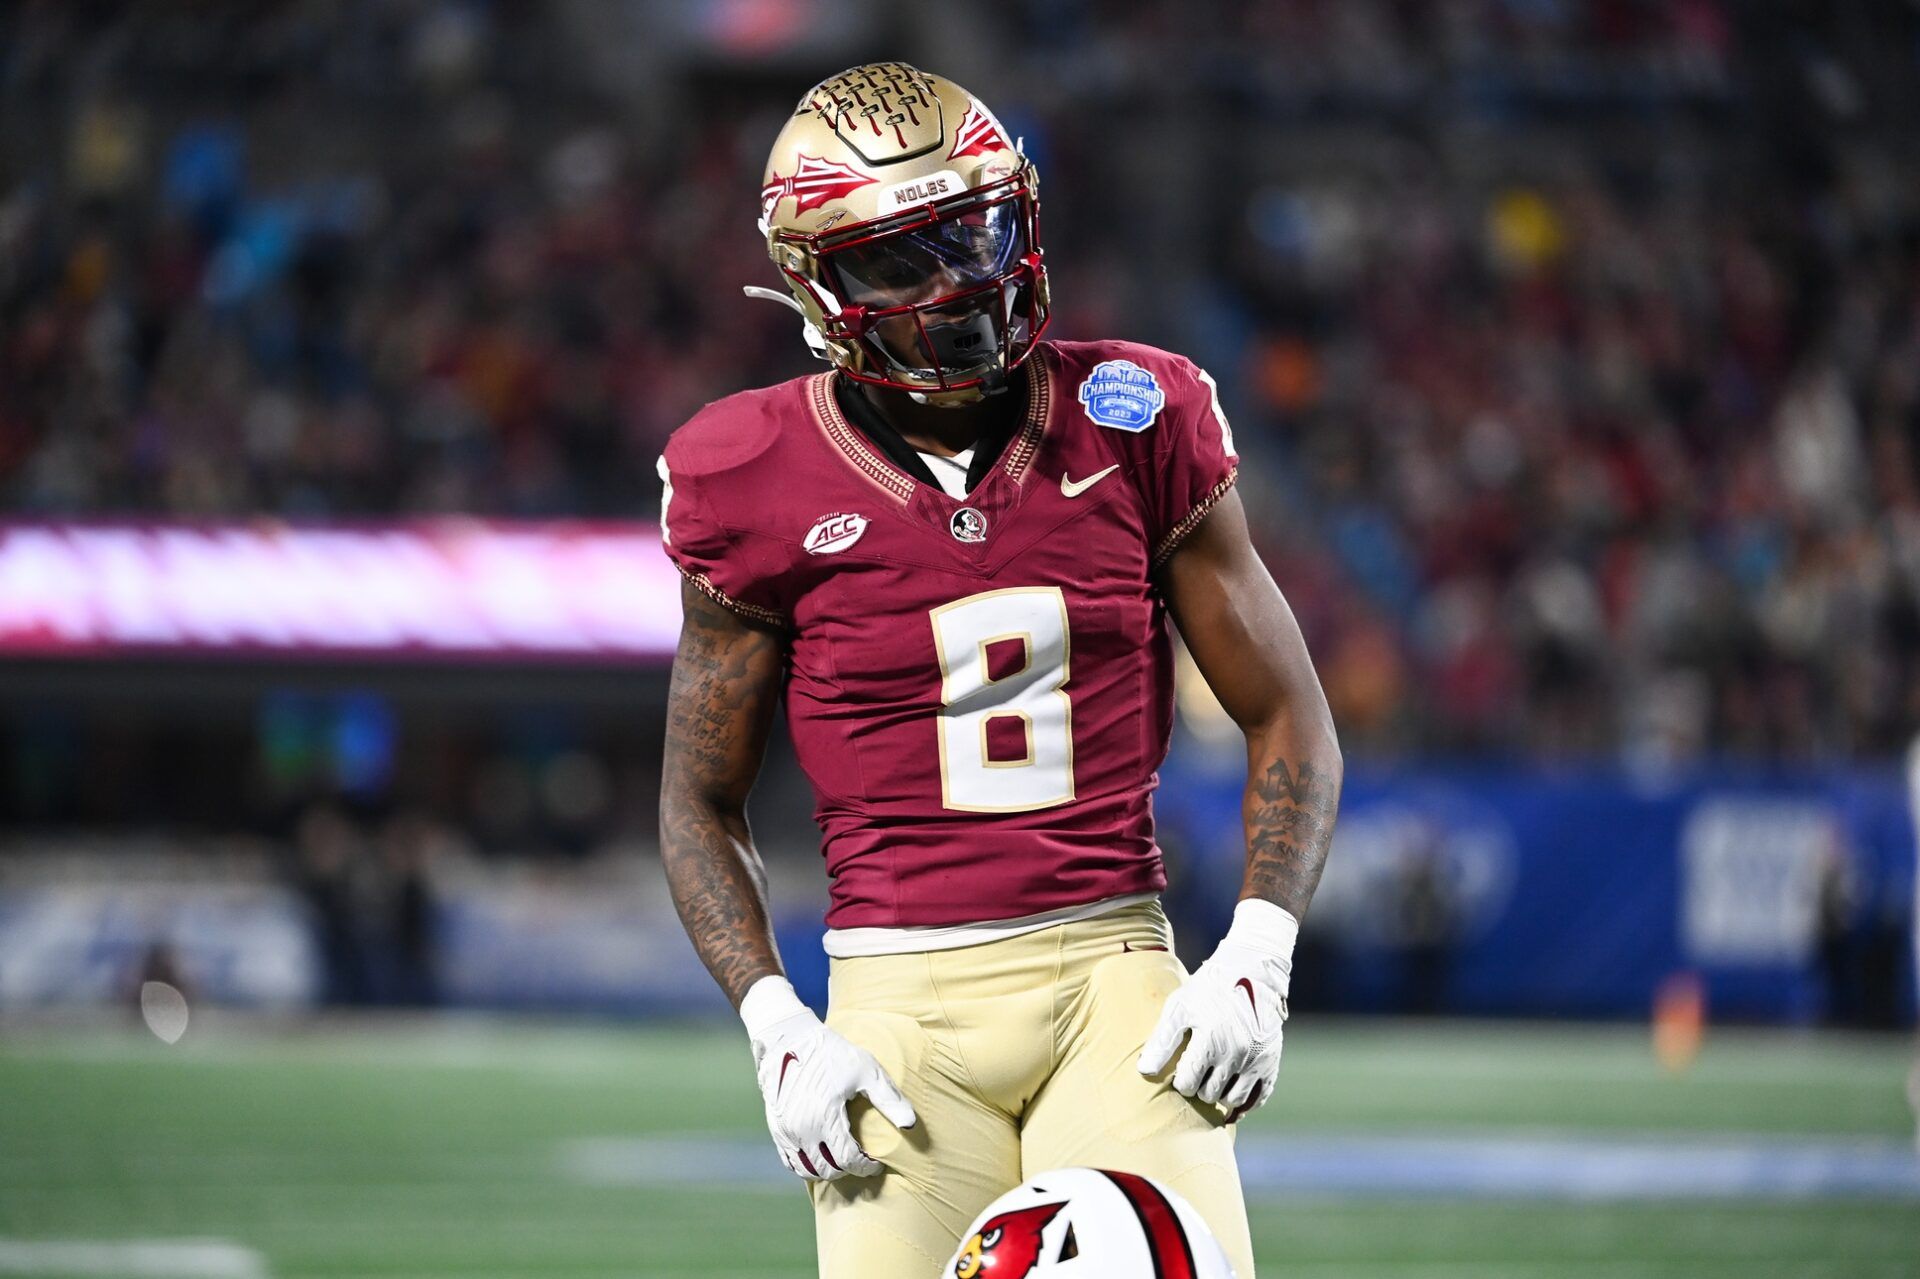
(1593, 1167)
(132, 1258)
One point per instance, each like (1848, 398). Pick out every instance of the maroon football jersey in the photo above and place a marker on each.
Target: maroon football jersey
(980, 690)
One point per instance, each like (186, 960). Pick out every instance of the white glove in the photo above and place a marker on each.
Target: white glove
(1232, 1007)
(808, 1074)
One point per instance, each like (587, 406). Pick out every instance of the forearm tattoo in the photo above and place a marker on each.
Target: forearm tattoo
(720, 704)
(1289, 813)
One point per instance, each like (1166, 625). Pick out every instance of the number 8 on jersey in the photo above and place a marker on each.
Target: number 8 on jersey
(1006, 724)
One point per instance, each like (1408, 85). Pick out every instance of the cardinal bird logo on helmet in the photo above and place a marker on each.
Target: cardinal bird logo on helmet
(1006, 1247)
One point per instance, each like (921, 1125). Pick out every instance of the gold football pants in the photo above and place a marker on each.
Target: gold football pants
(1019, 1057)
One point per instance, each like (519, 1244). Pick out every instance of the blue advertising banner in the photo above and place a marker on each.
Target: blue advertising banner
(1789, 896)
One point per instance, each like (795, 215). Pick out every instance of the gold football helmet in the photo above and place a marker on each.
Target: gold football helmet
(906, 225)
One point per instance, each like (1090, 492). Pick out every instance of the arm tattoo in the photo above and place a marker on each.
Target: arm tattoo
(1289, 814)
(726, 679)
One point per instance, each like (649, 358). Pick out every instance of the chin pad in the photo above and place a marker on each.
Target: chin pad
(964, 344)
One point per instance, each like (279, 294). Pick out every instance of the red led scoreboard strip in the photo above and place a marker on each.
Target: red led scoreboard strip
(420, 590)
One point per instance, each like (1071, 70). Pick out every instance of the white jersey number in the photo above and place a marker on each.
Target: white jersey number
(1028, 690)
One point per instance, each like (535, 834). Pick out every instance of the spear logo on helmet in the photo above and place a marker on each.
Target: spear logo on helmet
(977, 135)
(813, 184)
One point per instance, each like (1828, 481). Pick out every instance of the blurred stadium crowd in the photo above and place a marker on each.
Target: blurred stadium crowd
(1573, 345)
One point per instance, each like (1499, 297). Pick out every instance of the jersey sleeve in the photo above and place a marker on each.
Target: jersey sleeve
(728, 565)
(1191, 463)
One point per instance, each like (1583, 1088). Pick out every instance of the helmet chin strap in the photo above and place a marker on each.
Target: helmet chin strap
(815, 341)
(772, 295)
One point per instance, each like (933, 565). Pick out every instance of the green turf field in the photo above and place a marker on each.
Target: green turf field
(442, 1149)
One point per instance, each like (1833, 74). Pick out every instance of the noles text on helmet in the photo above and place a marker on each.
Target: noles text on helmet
(905, 224)
(1086, 1222)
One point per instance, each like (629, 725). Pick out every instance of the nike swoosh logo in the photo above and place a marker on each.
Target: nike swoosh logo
(1128, 948)
(1074, 488)
(785, 1061)
(1247, 986)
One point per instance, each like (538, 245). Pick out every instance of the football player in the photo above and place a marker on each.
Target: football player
(953, 558)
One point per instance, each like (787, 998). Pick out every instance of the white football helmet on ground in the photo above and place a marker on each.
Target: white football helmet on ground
(1086, 1222)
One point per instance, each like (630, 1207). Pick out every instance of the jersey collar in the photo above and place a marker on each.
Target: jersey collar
(900, 468)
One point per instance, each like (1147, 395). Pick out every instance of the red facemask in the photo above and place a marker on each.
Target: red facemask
(948, 296)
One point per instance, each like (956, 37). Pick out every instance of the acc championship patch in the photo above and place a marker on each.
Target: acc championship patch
(1121, 394)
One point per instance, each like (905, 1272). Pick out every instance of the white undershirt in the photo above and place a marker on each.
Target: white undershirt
(950, 471)
(857, 943)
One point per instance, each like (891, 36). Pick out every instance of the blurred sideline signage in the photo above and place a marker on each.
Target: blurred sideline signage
(93, 939)
(597, 941)
(1578, 892)
(422, 590)
(1751, 873)
(1485, 892)
(85, 930)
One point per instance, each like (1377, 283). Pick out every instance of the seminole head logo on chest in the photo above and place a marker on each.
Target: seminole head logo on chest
(968, 525)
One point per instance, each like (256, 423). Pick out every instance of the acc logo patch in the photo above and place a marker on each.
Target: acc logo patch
(834, 533)
(1121, 394)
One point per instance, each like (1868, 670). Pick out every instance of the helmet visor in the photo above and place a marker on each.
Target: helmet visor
(963, 251)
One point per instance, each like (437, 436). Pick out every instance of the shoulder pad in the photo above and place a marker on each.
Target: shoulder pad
(733, 432)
